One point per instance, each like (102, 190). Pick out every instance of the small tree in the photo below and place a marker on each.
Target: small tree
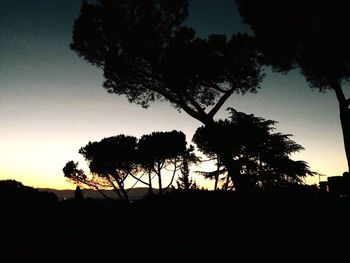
(185, 182)
(110, 160)
(77, 176)
(113, 159)
(160, 150)
(78, 194)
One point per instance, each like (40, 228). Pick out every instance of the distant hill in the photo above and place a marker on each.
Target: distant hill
(135, 193)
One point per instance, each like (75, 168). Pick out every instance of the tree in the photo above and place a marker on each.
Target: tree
(185, 182)
(110, 160)
(313, 36)
(216, 174)
(113, 158)
(159, 150)
(147, 55)
(77, 176)
(78, 194)
(263, 156)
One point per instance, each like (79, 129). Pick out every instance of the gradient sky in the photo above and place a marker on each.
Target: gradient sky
(52, 102)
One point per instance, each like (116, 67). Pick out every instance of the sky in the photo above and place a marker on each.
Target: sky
(52, 102)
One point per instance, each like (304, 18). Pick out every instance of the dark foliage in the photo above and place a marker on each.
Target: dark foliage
(310, 35)
(313, 36)
(160, 146)
(147, 54)
(111, 156)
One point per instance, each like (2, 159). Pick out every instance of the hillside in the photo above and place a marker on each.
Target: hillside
(135, 193)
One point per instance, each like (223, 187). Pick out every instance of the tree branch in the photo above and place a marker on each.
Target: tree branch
(170, 97)
(220, 102)
(194, 114)
(173, 176)
(89, 184)
(213, 86)
(114, 187)
(195, 104)
(139, 179)
(343, 103)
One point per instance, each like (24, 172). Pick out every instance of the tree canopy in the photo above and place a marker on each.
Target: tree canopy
(115, 159)
(160, 150)
(147, 54)
(310, 35)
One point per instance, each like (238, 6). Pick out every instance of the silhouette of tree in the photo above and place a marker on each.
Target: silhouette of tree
(263, 156)
(78, 176)
(204, 143)
(184, 181)
(313, 36)
(113, 159)
(148, 55)
(78, 194)
(216, 175)
(110, 160)
(160, 150)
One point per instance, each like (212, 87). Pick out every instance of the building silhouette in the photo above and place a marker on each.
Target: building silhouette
(337, 185)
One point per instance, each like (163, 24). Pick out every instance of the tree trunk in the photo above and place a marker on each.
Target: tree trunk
(345, 124)
(234, 173)
(123, 191)
(159, 180)
(344, 119)
(217, 177)
(150, 189)
(225, 157)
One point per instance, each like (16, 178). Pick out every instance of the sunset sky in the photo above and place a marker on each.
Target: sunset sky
(52, 102)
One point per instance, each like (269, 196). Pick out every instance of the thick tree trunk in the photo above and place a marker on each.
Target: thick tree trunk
(345, 122)
(344, 119)
(216, 182)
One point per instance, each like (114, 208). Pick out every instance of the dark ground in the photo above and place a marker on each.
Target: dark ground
(197, 226)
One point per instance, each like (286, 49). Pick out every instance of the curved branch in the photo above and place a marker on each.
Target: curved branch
(173, 176)
(114, 187)
(343, 103)
(196, 115)
(195, 104)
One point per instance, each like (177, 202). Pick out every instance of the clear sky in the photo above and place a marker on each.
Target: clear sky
(52, 102)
